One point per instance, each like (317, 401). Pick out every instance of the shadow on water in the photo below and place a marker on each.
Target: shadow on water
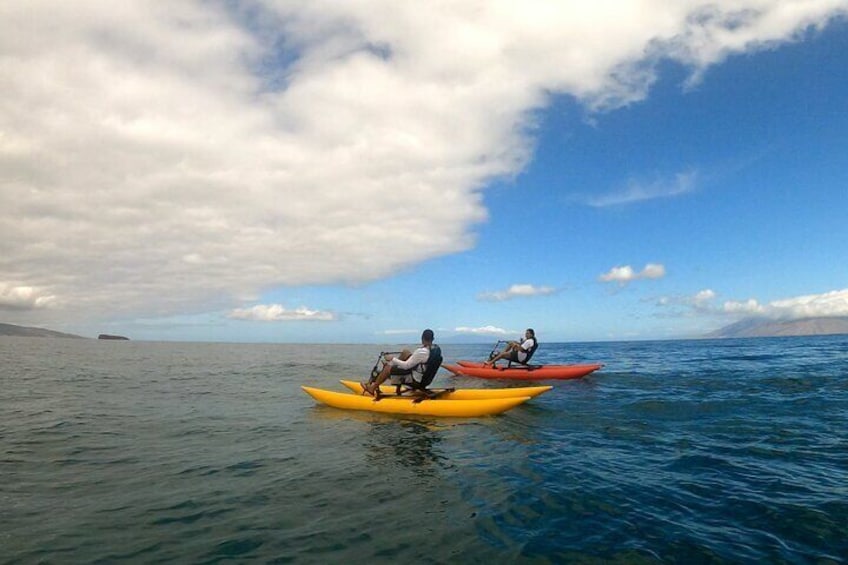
(391, 441)
(413, 444)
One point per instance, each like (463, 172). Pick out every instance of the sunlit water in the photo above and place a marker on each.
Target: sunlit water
(675, 452)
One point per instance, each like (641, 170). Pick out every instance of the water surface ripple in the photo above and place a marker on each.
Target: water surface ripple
(725, 451)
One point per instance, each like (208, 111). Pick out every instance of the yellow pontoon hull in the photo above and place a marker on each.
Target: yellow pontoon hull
(466, 393)
(428, 407)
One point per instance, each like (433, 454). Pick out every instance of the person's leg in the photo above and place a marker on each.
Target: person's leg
(372, 387)
(369, 387)
(498, 357)
(510, 352)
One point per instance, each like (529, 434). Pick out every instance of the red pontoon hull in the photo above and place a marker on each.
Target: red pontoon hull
(522, 373)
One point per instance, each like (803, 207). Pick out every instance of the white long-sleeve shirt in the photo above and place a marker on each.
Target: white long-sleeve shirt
(419, 356)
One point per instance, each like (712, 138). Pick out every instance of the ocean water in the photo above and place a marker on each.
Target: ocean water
(727, 451)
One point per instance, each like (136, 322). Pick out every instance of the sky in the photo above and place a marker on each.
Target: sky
(355, 172)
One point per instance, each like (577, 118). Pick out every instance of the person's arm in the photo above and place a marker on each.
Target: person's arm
(418, 356)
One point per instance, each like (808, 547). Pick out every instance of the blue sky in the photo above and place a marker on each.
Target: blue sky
(322, 174)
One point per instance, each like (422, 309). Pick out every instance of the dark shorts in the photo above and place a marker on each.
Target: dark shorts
(401, 376)
(513, 358)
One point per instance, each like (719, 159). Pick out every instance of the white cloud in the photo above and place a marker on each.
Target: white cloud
(24, 298)
(653, 271)
(626, 274)
(516, 291)
(636, 191)
(278, 313)
(622, 275)
(700, 299)
(833, 303)
(703, 296)
(828, 304)
(484, 330)
(748, 307)
(162, 159)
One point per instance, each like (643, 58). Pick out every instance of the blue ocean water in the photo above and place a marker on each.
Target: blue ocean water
(726, 451)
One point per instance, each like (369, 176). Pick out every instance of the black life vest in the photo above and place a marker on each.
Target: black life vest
(531, 351)
(431, 367)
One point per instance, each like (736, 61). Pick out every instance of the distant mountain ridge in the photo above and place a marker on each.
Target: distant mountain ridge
(24, 331)
(751, 327)
(759, 327)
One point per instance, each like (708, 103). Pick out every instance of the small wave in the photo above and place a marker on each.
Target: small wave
(239, 547)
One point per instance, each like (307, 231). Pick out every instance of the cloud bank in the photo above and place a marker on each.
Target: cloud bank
(828, 304)
(170, 158)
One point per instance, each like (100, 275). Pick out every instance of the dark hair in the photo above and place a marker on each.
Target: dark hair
(427, 335)
(532, 333)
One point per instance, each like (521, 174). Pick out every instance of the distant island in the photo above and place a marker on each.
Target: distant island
(760, 327)
(24, 331)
